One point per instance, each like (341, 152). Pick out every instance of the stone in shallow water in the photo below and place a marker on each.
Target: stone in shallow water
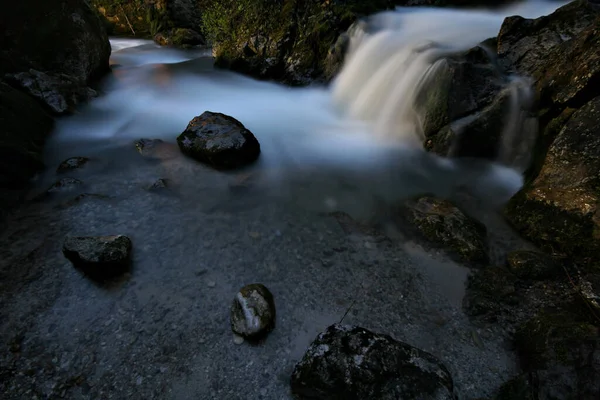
(253, 311)
(99, 256)
(353, 363)
(219, 140)
(63, 185)
(160, 183)
(445, 225)
(71, 164)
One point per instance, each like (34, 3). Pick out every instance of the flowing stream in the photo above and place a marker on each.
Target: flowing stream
(354, 147)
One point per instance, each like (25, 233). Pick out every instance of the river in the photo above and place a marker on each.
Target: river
(163, 332)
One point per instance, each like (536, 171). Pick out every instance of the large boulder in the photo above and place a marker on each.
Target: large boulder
(353, 363)
(219, 140)
(560, 209)
(53, 50)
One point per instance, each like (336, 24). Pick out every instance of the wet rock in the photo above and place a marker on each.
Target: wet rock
(490, 292)
(57, 58)
(71, 164)
(353, 363)
(64, 185)
(463, 84)
(561, 54)
(559, 51)
(146, 147)
(219, 140)
(559, 209)
(560, 352)
(590, 291)
(533, 265)
(446, 226)
(253, 311)
(99, 256)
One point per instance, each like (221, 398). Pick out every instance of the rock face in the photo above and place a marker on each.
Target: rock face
(533, 265)
(100, 257)
(561, 53)
(219, 140)
(560, 210)
(253, 311)
(53, 50)
(352, 363)
(446, 226)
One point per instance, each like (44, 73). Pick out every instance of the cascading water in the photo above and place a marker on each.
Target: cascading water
(393, 55)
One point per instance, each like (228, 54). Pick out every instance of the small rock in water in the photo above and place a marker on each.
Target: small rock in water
(63, 185)
(146, 146)
(71, 164)
(237, 339)
(219, 140)
(253, 311)
(160, 183)
(444, 225)
(99, 257)
(350, 362)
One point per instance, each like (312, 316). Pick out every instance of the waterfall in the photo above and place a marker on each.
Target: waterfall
(393, 55)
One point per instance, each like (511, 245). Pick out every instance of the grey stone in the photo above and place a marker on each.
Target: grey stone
(253, 311)
(353, 363)
(99, 256)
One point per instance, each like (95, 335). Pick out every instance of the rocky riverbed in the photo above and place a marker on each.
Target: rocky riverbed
(193, 233)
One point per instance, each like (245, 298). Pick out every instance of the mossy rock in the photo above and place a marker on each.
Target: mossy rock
(559, 210)
(445, 226)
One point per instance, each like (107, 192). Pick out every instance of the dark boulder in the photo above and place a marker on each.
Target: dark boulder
(533, 265)
(219, 140)
(253, 311)
(444, 225)
(53, 50)
(353, 363)
(560, 209)
(100, 257)
(560, 353)
(491, 292)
